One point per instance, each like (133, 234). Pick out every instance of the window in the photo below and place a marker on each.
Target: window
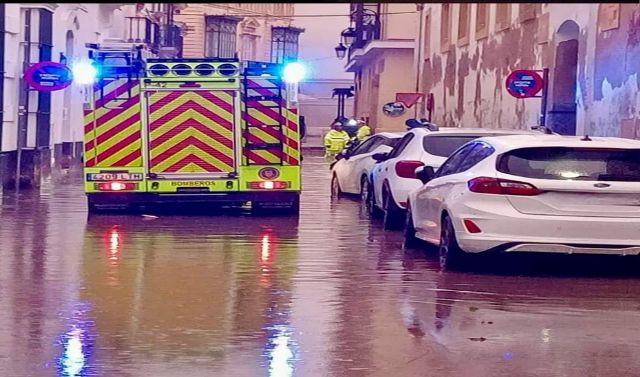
(220, 37)
(573, 163)
(400, 147)
(284, 44)
(427, 36)
(445, 27)
(503, 16)
(451, 165)
(249, 43)
(444, 146)
(479, 152)
(37, 47)
(390, 142)
(463, 24)
(482, 20)
(367, 146)
(528, 11)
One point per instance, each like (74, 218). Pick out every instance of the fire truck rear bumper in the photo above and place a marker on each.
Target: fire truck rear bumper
(121, 198)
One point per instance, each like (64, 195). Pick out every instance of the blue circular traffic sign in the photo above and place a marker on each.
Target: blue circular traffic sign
(48, 76)
(524, 83)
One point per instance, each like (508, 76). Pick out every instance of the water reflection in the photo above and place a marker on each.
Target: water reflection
(77, 345)
(189, 289)
(329, 295)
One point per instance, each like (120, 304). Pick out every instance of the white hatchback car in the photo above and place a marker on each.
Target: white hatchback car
(353, 168)
(394, 176)
(530, 193)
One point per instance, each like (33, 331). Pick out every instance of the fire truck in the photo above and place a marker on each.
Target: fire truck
(204, 130)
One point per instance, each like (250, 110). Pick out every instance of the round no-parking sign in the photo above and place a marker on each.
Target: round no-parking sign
(48, 76)
(524, 83)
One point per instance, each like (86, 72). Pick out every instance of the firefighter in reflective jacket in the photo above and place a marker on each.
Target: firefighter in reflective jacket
(335, 140)
(364, 131)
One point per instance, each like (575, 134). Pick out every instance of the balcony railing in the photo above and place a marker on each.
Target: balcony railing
(367, 25)
(143, 30)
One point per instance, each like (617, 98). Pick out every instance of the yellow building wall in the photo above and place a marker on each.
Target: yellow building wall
(255, 22)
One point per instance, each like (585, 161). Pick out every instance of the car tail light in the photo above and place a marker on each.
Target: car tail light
(116, 186)
(486, 185)
(471, 226)
(407, 169)
(268, 185)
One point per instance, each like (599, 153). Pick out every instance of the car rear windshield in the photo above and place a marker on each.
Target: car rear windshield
(573, 163)
(444, 146)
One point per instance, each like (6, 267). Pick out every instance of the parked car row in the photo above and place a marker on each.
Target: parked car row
(469, 191)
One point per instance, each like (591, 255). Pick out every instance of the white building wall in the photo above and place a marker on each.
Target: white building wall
(89, 23)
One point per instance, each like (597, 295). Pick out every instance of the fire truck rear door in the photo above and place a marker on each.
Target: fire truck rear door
(191, 133)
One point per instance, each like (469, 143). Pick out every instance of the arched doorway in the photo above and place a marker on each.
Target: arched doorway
(562, 116)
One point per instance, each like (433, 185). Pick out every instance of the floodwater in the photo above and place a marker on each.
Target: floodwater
(328, 294)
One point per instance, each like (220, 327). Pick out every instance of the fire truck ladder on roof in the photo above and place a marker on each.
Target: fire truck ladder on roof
(253, 99)
(116, 63)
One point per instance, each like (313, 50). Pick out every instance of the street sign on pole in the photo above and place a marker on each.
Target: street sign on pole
(48, 76)
(524, 83)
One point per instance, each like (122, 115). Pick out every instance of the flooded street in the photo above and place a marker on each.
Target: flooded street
(328, 294)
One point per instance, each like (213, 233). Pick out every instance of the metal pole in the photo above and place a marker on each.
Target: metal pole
(23, 112)
(419, 58)
(545, 92)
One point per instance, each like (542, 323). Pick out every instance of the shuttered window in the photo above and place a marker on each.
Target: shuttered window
(482, 20)
(503, 16)
(463, 24)
(220, 37)
(445, 27)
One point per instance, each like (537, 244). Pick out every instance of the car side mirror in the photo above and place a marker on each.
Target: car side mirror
(425, 173)
(379, 157)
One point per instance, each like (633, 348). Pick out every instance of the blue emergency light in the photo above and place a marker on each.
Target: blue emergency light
(294, 72)
(84, 73)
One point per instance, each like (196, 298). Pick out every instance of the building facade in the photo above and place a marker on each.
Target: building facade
(592, 52)
(324, 71)
(257, 31)
(382, 60)
(41, 130)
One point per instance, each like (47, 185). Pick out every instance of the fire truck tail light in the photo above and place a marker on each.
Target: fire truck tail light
(269, 185)
(116, 186)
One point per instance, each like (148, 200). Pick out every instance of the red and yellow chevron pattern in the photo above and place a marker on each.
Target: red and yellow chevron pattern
(191, 131)
(266, 113)
(112, 126)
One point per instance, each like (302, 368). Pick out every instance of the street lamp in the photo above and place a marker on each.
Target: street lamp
(349, 36)
(341, 51)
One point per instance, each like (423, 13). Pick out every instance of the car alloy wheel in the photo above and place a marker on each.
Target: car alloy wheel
(392, 214)
(335, 187)
(410, 239)
(450, 255)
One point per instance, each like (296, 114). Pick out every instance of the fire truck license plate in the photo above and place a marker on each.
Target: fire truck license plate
(114, 177)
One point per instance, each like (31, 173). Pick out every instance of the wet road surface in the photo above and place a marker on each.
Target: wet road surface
(330, 294)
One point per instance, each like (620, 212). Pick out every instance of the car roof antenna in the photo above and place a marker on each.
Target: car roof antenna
(586, 138)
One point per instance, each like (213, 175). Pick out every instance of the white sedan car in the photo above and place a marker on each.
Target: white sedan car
(352, 170)
(394, 177)
(530, 193)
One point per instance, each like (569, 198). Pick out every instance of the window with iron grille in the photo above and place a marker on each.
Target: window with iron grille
(220, 38)
(284, 44)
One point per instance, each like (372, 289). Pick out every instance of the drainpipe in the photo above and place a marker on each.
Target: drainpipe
(419, 55)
